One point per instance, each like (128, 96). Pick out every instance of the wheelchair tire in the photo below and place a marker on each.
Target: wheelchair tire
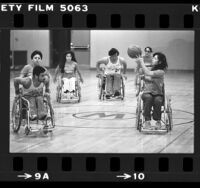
(101, 93)
(138, 114)
(123, 89)
(101, 88)
(49, 106)
(16, 125)
(169, 114)
(79, 98)
(78, 92)
(58, 94)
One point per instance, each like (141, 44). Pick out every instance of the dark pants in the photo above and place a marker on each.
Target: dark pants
(150, 101)
(113, 83)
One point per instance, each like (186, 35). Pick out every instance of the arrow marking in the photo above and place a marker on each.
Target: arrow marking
(125, 176)
(25, 176)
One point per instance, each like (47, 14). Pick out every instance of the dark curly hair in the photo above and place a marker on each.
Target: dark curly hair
(162, 58)
(148, 47)
(37, 70)
(113, 51)
(35, 53)
(62, 64)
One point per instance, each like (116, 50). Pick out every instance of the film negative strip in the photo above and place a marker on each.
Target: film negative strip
(99, 92)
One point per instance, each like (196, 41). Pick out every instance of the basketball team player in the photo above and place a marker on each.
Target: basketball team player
(36, 60)
(112, 68)
(153, 95)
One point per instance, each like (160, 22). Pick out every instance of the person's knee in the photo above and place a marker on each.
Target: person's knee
(158, 100)
(146, 97)
(118, 76)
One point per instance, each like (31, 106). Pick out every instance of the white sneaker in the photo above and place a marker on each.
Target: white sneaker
(147, 125)
(68, 95)
(71, 95)
(158, 125)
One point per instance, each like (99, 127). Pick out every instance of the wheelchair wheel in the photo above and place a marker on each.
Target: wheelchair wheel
(138, 114)
(78, 91)
(169, 115)
(101, 88)
(52, 116)
(79, 96)
(123, 89)
(101, 93)
(58, 94)
(16, 115)
(50, 112)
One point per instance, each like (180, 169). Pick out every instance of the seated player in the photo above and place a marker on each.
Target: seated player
(153, 95)
(68, 70)
(33, 91)
(147, 58)
(113, 64)
(36, 60)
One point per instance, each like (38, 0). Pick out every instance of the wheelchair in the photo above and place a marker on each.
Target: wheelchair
(166, 111)
(62, 97)
(102, 87)
(21, 116)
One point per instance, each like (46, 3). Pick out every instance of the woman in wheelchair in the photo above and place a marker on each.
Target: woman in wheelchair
(113, 64)
(33, 87)
(153, 95)
(69, 69)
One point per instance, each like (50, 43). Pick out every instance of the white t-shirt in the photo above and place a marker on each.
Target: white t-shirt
(113, 68)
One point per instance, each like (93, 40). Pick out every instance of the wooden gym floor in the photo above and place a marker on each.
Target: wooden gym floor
(94, 126)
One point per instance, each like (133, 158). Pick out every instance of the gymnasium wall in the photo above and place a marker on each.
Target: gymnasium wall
(81, 38)
(31, 40)
(178, 46)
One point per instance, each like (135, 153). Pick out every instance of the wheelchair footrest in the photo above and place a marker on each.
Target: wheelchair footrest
(154, 130)
(41, 129)
(70, 100)
(34, 130)
(114, 98)
(48, 129)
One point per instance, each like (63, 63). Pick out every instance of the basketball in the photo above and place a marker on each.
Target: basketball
(134, 51)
